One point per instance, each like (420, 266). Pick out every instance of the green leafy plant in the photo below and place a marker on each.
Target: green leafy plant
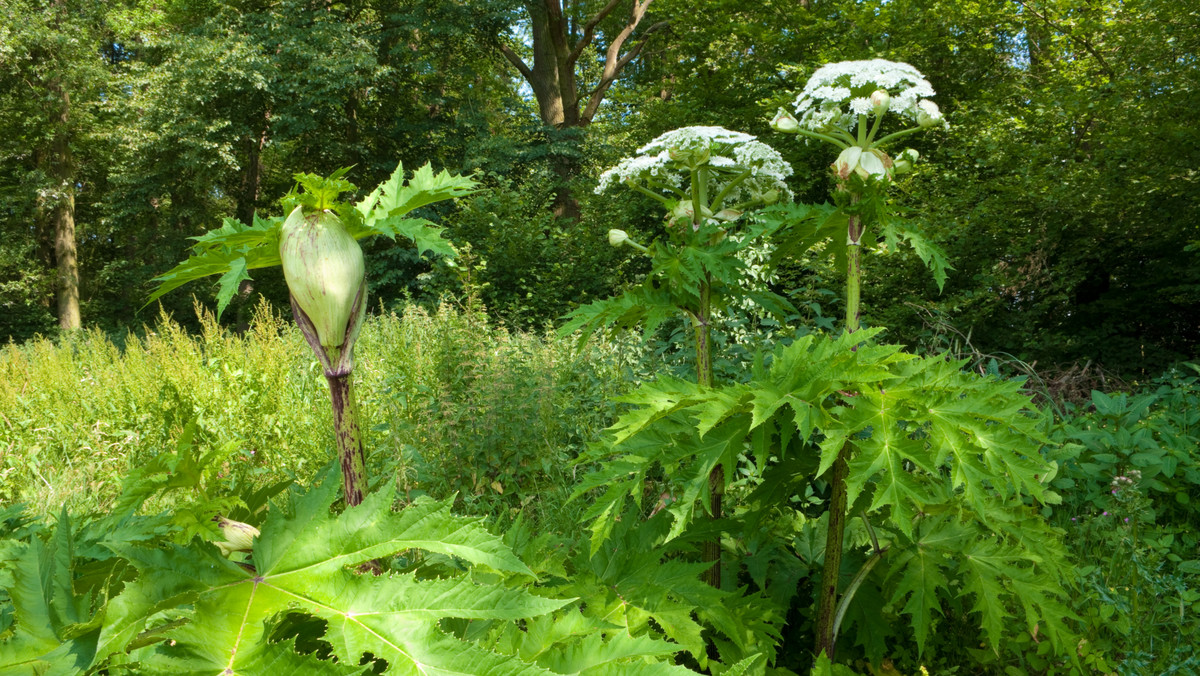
(945, 468)
(323, 264)
(705, 178)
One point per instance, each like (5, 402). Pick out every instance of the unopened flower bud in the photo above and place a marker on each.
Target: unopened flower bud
(239, 537)
(880, 100)
(685, 211)
(873, 163)
(728, 215)
(785, 122)
(323, 266)
(617, 237)
(770, 197)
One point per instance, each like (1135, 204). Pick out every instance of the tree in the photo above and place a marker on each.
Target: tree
(53, 69)
(560, 37)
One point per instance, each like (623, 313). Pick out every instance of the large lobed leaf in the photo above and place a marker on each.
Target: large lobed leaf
(307, 560)
(234, 249)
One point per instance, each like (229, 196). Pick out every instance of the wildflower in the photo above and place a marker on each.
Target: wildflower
(859, 87)
(1104, 514)
(928, 115)
(669, 159)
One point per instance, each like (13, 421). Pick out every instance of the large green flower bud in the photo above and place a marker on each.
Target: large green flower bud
(324, 269)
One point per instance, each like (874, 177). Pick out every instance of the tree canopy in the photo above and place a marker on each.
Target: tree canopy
(1064, 192)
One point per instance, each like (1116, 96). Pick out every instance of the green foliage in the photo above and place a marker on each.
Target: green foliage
(1128, 478)
(949, 463)
(443, 391)
(303, 561)
(1153, 432)
(234, 249)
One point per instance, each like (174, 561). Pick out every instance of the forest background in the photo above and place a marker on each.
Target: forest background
(1064, 192)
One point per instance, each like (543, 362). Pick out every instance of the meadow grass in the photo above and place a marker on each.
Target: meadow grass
(451, 403)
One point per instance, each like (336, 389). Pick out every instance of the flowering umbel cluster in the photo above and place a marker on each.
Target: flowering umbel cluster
(845, 104)
(739, 172)
(839, 93)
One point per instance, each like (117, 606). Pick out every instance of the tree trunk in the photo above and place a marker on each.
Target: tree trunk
(252, 178)
(62, 211)
(562, 105)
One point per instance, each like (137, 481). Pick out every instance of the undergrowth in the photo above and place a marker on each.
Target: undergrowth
(461, 406)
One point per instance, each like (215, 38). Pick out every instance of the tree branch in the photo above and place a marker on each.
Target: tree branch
(614, 63)
(1087, 46)
(589, 29)
(526, 71)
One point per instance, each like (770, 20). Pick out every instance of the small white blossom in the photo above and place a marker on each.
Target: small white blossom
(861, 106)
(838, 92)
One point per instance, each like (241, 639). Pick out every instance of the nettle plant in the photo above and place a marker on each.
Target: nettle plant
(943, 468)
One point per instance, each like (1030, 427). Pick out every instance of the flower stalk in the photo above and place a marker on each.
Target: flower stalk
(323, 266)
(837, 106)
(709, 176)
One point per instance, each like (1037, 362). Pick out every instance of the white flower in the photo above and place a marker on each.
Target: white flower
(861, 106)
(668, 160)
(838, 92)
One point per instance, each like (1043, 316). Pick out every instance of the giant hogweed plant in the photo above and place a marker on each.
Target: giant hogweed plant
(704, 179)
(317, 245)
(293, 594)
(944, 468)
(131, 593)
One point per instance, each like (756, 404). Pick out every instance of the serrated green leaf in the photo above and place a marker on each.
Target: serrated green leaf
(306, 560)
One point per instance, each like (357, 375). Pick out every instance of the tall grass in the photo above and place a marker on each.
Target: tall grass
(450, 403)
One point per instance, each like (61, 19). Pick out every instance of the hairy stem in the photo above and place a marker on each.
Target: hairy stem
(826, 638)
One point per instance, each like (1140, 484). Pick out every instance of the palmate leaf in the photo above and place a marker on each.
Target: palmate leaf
(928, 251)
(54, 632)
(306, 560)
(234, 249)
(639, 589)
(922, 570)
(646, 305)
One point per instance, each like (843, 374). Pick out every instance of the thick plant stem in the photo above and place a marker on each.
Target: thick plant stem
(338, 366)
(704, 377)
(349, 437)
(826, 634)
(826, 639)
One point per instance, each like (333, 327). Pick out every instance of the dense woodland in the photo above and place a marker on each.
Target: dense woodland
(1064, 191)
(712, 403)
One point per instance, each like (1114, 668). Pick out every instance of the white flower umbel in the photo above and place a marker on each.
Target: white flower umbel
(840, 98)
(739, 171)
